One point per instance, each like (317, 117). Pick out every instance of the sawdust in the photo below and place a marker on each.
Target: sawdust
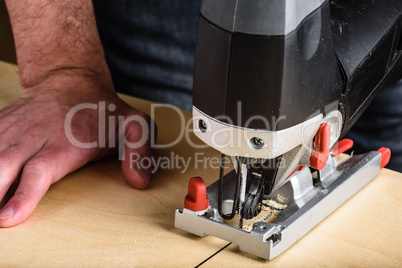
(281, 199)
(269, 213)
(276, 205)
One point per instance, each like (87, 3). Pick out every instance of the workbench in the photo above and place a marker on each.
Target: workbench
(93, 218)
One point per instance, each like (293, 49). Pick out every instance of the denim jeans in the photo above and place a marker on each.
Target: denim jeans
(381, 126)
(149, 47)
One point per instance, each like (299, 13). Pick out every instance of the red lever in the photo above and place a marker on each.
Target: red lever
(299, 168)
(385, 156)
(196, 199)
(342, 146)
(319, 155)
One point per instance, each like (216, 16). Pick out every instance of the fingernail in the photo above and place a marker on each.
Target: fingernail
(7, 213)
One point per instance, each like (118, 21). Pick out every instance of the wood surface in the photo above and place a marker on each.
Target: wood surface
(93, 218)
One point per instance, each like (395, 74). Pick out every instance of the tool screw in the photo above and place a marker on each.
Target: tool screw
(256, 143)
(202, 126)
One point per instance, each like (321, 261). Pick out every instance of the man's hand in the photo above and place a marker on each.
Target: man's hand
(62, 66)
(34, 145)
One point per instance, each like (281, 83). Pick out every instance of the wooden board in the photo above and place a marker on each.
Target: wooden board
(93, 218)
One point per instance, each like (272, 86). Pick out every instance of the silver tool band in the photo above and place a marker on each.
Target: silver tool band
(236, 141)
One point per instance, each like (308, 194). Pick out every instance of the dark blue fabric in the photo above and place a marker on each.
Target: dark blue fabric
(381, 126)
(149, 47)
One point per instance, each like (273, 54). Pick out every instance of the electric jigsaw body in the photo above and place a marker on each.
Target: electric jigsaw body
(277, 83)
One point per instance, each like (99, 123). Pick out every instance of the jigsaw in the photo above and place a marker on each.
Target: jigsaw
(277, 84)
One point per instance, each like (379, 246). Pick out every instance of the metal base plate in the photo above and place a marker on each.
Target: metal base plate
(308, 206)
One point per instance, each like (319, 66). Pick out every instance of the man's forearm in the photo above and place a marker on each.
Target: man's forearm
(56, 37)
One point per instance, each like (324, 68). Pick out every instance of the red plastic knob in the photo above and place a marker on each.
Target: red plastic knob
(385, 156)
(342, 146)
(196, 199)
